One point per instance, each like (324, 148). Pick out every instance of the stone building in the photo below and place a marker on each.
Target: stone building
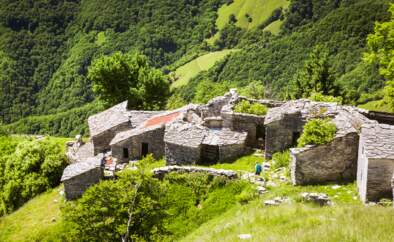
(335, 161)
(79, 176)
(187, 144)
(105, 125)
(375, 162)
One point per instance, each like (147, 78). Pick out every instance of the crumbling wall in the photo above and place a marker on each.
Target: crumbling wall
(246, 123)
(335, 161)
(182, 155)
(76, 186)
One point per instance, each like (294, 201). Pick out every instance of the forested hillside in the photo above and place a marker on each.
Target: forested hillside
(47, 47)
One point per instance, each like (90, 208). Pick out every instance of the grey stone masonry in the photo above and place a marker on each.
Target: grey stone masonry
(375, 162)
(162, 171)
(80, 176)
(335, 161)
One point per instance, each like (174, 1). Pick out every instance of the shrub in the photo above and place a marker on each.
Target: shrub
(246, 107)
(317, 132)
(28, 168)
(319, 97)
(282, 159)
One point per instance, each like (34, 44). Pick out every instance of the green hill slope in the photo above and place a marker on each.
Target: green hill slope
(194, 67)
(38, 220)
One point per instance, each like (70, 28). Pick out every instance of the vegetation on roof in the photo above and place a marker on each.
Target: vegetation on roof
(317, 132)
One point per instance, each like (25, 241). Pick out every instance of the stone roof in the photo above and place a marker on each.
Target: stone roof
(133, 132)
(79, 168)
(224, 137)
(115, 116)
(192, 135)
(378, 140)
(185, 134)
(346, 118)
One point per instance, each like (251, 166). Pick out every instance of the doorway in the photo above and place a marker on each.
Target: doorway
(144, 149)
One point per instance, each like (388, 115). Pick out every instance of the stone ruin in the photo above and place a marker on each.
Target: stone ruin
(362, 148)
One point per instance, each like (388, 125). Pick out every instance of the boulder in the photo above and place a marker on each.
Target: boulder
(317, 198)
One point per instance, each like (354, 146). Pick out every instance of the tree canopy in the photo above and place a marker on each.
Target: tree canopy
(129, 77)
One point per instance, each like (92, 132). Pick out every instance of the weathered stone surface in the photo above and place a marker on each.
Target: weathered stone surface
(276, 201)
(375, 162)
(284, 124)
(77, 152)
(162, 171)
(317, 198)
(80, 176)
(132, 140)
(335, 161)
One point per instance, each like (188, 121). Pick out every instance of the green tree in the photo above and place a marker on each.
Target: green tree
(316, 76)
(129, 77)
(381, 51)
(255, 89)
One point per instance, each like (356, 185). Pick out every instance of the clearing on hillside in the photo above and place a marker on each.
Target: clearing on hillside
(257, 10)
(202, 63)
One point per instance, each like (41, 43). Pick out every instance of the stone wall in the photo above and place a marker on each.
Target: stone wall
(245, 123)
(101, 141)
(377, 183)
(231, 152)
(76, 186)
(182, 155)
(154, 138)
(162, 171)
(283, 134)
(335, 161)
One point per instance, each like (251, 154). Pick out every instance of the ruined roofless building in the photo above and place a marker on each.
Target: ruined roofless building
(335, 161)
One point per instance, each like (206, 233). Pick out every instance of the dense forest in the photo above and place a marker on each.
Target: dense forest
(48, 47)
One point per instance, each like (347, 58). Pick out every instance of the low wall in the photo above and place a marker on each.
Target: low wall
(162, 171)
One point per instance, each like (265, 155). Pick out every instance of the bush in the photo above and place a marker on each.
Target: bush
(282, 159)
(246, 107)
(319, 97)
(28, 168)
(163, 210)
(317, 132)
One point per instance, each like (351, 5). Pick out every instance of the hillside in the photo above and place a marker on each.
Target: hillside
(202, 63)
(48, 49)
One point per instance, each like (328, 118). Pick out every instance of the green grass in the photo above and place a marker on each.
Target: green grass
(259, 10)
(245, 163)
(194, 67)
(347, 220)
(274, 27)
(35, 220)
(378, 106)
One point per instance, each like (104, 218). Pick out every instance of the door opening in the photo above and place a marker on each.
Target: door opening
(144, 149)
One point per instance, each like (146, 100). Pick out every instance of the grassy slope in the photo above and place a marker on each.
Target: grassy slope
(38, 219)
(202, 63)
(378, 106)
(259, 10)
(347, 220)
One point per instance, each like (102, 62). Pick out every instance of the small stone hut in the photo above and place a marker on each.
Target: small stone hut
(80, 176)
(375, 162)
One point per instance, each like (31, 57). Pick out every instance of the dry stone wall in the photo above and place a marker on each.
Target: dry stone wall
(335, 161)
